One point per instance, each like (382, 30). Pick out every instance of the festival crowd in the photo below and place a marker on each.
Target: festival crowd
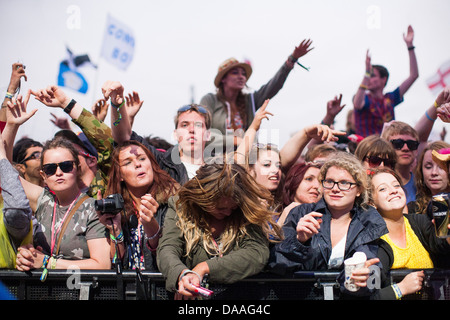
(219, 206)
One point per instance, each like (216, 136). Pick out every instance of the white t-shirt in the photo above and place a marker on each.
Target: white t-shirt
(337, 254)
(191, 169)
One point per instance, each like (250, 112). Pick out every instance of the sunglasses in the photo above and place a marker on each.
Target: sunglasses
(399, 143)
(34, 155)
(50, 168)
(195, 107)
(375, 161)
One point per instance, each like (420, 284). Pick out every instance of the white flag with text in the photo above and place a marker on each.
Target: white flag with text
(118, 43)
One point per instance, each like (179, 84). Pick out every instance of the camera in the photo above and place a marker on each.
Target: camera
(111, 204)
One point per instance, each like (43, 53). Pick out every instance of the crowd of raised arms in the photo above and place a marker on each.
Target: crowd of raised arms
(219, 206)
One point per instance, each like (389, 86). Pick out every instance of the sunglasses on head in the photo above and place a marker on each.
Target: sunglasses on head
(34, 155)
(375, 161)
(50, 168)
(196, 107)
(265, 145)
(399, 143)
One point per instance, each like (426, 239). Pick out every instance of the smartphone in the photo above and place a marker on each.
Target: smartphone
(203, 292)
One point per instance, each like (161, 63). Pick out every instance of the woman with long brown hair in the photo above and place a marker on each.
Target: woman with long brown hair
(145, 189)
(429, 177)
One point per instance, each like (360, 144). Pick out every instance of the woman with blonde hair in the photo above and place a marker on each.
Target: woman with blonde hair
(320, 236)
(216, 226)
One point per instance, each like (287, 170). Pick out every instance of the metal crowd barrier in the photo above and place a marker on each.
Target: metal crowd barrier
(108, 285)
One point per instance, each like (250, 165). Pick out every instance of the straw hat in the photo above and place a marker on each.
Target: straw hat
(229, 64)
(441, 158)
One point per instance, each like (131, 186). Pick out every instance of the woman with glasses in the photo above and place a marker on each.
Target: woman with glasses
(145, 189)
(375, 152)
(320, 236)
(68, 231)
(411, 242)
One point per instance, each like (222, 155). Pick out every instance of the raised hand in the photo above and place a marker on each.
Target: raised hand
(409, 37)
(302, 49)
(133, 104)
(260, 114)
(52, 96)
(113, 90)
(60, 122)
(100, 109)
(17, 113)
(334, 106)
(308, 226)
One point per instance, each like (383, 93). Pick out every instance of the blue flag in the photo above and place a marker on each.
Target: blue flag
(69, 75)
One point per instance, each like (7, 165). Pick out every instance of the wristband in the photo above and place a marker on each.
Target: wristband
(117, 239)
(292, 59)
(362, 86)
(52, 262)
(9, 95)
(44, 266)
(190, 271)
(397, 291)
(436, 104)
(411, 48)
(428, 116)
(367, 75)
(117, 107)
(70, 106)
(153, 236)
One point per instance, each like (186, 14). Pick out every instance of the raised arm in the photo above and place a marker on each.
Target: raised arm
(426, 121)
(413, 68)
(17, 114)
(333, 108)
(271, 88)
(295, 145)
(120, 120)
(250, 135)
(18, 71)
(358, 99)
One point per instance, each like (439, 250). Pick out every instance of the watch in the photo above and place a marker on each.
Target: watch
(70, 106)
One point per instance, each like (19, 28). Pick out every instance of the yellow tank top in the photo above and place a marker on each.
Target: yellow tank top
(414, 256)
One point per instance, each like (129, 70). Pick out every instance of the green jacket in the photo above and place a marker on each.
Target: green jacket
(100, 136)
(247, 258)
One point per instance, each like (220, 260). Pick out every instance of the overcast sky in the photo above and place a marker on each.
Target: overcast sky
(180, 44)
